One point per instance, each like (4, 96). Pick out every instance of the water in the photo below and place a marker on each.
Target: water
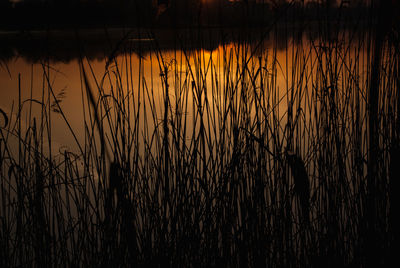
(51, 60)
(208, 58)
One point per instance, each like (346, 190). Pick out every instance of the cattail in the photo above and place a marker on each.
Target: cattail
(115, 178)
(301, 182)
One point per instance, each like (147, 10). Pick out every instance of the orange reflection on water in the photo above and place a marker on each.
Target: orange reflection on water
(215, 80)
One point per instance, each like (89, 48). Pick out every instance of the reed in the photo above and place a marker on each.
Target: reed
(209, 161)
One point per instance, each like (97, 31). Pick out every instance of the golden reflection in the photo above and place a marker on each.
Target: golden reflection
(209, 74)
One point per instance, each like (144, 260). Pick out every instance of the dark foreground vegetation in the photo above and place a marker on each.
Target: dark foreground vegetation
(225, 169)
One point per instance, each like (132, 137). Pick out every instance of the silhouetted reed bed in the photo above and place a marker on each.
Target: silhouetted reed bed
(210, 162)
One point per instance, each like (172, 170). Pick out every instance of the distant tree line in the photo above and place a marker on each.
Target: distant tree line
(61, 13)
(181, 13)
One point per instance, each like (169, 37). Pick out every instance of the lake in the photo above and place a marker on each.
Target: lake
(52, 59)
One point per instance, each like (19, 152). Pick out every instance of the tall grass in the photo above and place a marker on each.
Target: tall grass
(210, 161)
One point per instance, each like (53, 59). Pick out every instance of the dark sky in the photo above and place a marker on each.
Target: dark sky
(40, 13)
